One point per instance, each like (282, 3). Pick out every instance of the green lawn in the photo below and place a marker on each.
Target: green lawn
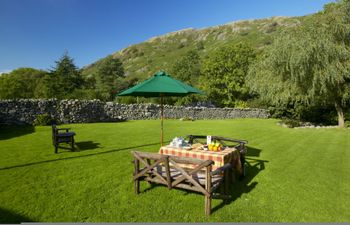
(295, 175)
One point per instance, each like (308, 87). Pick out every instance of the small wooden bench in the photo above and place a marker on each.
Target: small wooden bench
(62, 137)
(179, 172)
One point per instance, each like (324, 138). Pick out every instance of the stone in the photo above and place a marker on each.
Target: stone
(89, 111)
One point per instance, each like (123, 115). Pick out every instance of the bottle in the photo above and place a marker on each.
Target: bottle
(208, 139)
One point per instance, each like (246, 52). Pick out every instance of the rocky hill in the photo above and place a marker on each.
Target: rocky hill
(144, 59)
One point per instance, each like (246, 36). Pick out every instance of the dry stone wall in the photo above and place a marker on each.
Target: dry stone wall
(24, 111)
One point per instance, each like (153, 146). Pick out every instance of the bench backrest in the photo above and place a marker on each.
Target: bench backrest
(172, 171)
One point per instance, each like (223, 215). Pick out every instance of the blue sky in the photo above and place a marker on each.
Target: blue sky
(35, 33)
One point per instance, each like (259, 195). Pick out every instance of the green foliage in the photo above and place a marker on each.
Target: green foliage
(21, 83)
(43, 120)
(200, 45)
(316, 114)
(109, 78)
(84, 93)
(347, 124)
(309, 63)
(291, 123)
(127, 100)
(241, 104)
(64, 78)
(187, 68)
(224, 73)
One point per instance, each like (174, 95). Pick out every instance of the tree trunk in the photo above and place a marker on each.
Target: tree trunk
(340, 112)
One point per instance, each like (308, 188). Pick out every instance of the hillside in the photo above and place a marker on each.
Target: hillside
(144, 59)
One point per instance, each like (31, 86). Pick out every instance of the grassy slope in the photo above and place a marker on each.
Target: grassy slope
(159, 53)
(306, 177)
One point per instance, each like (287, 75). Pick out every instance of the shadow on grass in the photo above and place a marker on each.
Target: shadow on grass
(245, 185)
(8, 217)
(86, 145)
(79, 146)
(12, 131)
(81, 156)
(254, 152)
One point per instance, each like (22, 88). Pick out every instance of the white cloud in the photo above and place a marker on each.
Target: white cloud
(5, 71)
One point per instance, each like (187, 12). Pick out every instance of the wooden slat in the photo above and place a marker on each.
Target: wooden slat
(189, 178)
(221, 169)
(219, 138)
(155, 180)
(198, 176)
(188, 187)
(179, 186)
(148, 155)
(187, 160)
(198, 168)
(149, 167)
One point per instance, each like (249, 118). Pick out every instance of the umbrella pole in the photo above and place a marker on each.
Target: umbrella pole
(161, 119)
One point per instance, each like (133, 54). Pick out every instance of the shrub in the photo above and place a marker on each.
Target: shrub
(291, 123)
(347, 124)
(241, 104)
(43, 120)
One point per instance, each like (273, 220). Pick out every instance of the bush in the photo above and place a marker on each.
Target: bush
(347, 124)
(43, 120)
(316, 114)
(291, 123)
(241, 104)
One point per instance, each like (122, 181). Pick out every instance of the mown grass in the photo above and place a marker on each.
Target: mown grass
(294, 175)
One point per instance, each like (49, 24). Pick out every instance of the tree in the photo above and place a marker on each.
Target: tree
(20, 83)
(310, 63)
(109, 78)
(64, 78)
(224, 73)
(187, 68)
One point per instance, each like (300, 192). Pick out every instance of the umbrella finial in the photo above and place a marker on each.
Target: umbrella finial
(161, 73)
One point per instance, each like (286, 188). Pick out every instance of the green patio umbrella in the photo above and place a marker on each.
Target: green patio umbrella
(160, 85)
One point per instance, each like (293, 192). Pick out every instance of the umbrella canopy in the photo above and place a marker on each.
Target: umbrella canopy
(160, 85)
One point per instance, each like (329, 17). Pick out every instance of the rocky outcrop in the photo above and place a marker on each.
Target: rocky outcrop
(24, 111)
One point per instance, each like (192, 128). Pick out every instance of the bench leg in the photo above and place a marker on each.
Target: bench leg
(137, 181)
(72, 144)
(226, 185)
(137, 186)
(207, 205)
(208, 188)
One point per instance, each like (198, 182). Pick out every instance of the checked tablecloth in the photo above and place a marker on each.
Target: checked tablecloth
(229, 155)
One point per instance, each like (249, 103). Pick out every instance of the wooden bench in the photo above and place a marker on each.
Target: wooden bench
(62, 137)
(181, 172)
